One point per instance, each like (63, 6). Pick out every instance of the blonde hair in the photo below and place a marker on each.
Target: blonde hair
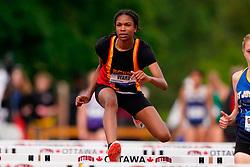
(246, 38)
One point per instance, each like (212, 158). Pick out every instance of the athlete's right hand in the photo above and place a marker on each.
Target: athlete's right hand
(80, 100)
(225, 120)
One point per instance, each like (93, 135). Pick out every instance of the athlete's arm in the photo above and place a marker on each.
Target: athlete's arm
(82, 99)
(156, 79)
(225, 119)
(235, 79)
(91, 87)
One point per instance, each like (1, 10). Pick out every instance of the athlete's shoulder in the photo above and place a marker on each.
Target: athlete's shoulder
(236, 75)
(102, 45)
(145, 48)
(143, 43)
(102, 41)
(146, 55)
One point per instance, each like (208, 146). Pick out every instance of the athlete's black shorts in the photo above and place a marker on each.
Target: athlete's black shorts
(132, 103)
(242, 147)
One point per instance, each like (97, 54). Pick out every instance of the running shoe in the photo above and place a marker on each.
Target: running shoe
(114, 151)
(138, 123)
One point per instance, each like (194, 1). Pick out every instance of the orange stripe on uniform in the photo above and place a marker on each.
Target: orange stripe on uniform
(110, 56)
(135, 61)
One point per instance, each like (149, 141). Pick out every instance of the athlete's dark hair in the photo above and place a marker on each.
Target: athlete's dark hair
(130, 13)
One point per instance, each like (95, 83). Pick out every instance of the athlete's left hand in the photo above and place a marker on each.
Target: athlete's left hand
(140, 76)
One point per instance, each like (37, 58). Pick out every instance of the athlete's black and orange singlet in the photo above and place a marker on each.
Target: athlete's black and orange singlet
(117, 65)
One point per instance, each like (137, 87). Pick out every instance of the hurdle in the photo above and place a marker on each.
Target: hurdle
(139, 159)
(125, 143)
(125, 151)
(117, 164)
(40, 164)
(70, 153)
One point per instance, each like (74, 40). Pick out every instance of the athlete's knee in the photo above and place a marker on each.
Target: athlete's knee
(240, 158)
(111, 103)
(164, 136)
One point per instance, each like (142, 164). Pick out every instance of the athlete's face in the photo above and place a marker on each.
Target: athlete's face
(246, 50)
(125, 27)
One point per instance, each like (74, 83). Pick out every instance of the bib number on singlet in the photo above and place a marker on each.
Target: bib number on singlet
(121, 79)
(247, 121)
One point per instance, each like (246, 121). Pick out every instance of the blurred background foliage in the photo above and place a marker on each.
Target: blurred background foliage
(59, 36)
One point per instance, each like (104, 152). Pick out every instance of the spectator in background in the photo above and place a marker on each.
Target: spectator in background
(4, 78)
(9, 62)
(219, 91)
(18, 89)
(89, 117)
(44, 101)
(195, 105)
(174, 118)
(6, 67)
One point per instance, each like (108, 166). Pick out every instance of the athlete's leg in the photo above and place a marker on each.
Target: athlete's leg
(241, 158)
(107, 98)
(153, 122)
